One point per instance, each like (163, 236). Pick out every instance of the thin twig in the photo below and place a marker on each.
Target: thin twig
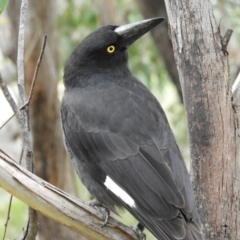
(4, 153)
(226, 39)
(36, 72)
(20, 55)
(8, 216)
(9, 97)
(7, 93)
(11, 197)
(7, 121)
(21, 156)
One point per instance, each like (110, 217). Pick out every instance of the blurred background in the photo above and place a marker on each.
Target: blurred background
(66, 23)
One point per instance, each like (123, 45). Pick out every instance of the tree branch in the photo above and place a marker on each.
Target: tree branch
(20, 56)
(9, 97)
(7, 121)
(32, 226)
(226, 39)
(8, 217)
(58, 205)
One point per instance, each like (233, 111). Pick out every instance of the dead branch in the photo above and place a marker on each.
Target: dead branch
(58, 205)
(226, 39)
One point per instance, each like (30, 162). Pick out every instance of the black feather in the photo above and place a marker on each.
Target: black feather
(114, 127)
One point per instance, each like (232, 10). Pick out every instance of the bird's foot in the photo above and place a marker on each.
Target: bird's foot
(97, 205)
(139, 231)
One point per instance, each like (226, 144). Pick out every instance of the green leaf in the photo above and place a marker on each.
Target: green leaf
(3, 4)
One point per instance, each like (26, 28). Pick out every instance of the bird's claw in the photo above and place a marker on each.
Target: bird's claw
(106, 213)
(139, 231)
(94, 203)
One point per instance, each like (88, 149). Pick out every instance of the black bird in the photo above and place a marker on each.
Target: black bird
(119, 139)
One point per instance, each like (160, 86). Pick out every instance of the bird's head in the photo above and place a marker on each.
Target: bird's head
(104, 50)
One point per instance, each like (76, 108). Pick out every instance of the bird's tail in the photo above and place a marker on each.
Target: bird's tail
(178, 228)
(175, 229)
(195, 228)
(181, 229)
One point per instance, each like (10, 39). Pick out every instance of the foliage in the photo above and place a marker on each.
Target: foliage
(3, 4)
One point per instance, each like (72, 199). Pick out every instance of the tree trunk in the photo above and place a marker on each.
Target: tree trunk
(204, 75)
(44, 107)
(153, 8)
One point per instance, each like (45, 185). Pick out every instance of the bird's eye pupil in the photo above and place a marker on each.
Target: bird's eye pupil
(110, 49)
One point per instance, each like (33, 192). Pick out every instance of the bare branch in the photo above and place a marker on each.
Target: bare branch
(7, 121)
(24, 119)
(9, 97)
(50, 200)
(36, 72)
(226, 39)
(8, 217)
(20, 56)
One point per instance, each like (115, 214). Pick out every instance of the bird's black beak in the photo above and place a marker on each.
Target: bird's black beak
(131, 32)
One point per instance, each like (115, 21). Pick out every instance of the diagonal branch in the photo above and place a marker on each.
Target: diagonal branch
(9, 97)
(50, 200)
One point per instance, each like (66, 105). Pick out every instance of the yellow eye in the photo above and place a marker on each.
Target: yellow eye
(110, 49)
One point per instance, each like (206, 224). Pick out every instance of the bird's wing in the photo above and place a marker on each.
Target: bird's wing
(138, 154)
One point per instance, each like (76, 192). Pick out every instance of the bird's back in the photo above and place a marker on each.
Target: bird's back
(119, 129)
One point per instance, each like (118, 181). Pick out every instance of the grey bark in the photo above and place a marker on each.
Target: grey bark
(204, 75)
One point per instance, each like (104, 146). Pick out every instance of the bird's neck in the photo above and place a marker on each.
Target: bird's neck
(84, 78)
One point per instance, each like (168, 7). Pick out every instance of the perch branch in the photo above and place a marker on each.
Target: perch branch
(57, 205)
